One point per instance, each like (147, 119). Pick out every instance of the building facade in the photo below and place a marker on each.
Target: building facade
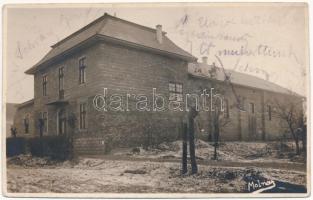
(113, 63)
(260, 102)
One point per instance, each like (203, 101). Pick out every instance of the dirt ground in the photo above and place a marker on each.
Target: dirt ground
(228, 151)
(99, 175)
(157, 169)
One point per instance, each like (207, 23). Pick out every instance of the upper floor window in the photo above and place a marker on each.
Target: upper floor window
(269, 111)
(176, 91)
(61, 78)
(82, 70)
(251, 107)
(241, 103)
(61, 82)
(82, 116)
(44, 85)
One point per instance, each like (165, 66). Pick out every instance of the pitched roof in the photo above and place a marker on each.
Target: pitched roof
(25, 104)
(119, 30)
(238, 78)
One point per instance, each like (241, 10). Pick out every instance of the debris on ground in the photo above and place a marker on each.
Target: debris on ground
(273, 151)
(100, 175)
(30, 174)
(136, 171)
(29, 161)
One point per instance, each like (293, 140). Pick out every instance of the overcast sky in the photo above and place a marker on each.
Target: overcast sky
(272, 37)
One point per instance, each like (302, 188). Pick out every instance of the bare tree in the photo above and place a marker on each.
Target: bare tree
(219, 111)
(302, 125)
(218, 121)
(290, 113)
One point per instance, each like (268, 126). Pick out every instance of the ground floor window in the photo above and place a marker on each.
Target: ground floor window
(45, 121)
(26, 123)
(62, 122)
(251, 107)
(176, 91)
(82, 115)
(269, 111)
(241, 102)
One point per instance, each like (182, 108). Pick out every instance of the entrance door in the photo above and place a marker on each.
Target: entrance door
(252, 122)
(62, 122)
(252, 126)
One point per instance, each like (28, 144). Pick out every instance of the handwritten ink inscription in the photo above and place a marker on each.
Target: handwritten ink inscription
(250, 44)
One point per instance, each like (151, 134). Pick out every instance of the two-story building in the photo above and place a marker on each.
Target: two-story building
(127, 58)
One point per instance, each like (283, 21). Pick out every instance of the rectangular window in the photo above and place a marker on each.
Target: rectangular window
(176, 91)
(226, 108)
(82, 116)
(44, 85)
(26, 123)
(241, 103)
(61, 78)
(61, 82)
(82, 68)
(269, 111)
(45, 121)
(251, 107)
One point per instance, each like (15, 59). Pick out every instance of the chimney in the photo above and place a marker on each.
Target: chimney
(205, 60)
(159, 34)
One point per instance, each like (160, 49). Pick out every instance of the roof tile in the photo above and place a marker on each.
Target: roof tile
(237, 78)
(119, 29)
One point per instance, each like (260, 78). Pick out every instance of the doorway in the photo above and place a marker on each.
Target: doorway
(252, 126)
(61, 122)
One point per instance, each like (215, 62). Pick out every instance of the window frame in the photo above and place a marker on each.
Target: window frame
(83, 116)
(242, 104)
(252, 108)
(176, 89)
(61, 78)
(45, 121)
(44, 85)
(269, 112)
(82, 70)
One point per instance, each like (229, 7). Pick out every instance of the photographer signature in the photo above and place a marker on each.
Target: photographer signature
(260, 186)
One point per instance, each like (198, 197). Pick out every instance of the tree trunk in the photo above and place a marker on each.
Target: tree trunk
(297, 146)
(191, 131)
(215, 152)
(213, 134)
(304, 140)
(295, 138)
(216, 137)
(184, 158)
(215, 142)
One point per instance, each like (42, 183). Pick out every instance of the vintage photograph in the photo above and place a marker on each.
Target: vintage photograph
(156, 100)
